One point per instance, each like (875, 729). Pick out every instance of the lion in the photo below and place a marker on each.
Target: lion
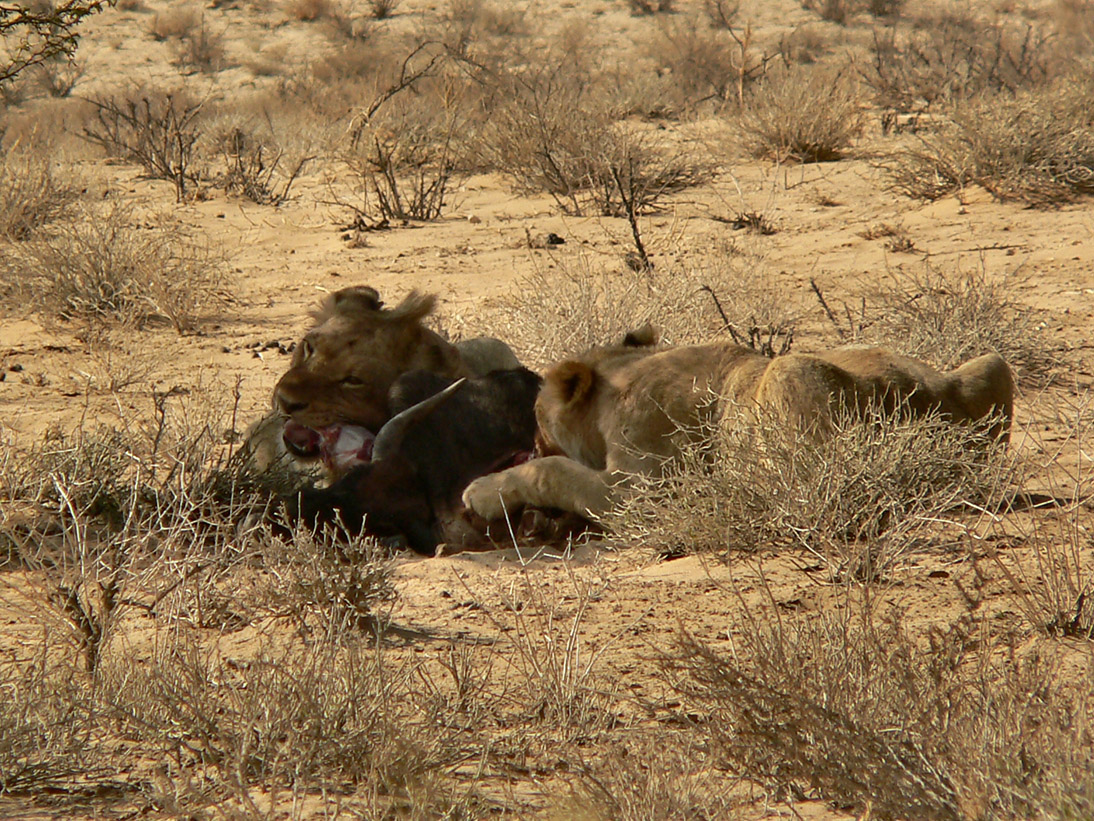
(336, 393)
(620, 411)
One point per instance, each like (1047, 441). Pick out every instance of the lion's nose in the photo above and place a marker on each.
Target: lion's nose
(289, 407)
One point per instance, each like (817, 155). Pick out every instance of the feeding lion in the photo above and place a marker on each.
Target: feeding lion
(617, 411)
(336, 393)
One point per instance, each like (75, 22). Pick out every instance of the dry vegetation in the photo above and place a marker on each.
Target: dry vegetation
(895, 623)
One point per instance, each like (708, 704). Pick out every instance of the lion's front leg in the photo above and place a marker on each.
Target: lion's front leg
(554, 481)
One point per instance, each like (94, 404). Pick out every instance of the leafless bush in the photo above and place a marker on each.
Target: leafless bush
(297, 719)
(309, 10)
(945, 723)
(644, 7)
(102, 268)
(1034, 147)
(804, 45)
(332, 589)
(156, 131)
(834, 11)
(706, 63)
(58, 78)
(34, 34)
(255, 170)
(33, 193)
(871, 492)
(545, 133)
(952, 58)
(406, 159)
(1044, 561)
(175, 23)
(657, 776)
(885, 8)
(631, 174)
(947, 316)
(802, 115)
(201, 49)
(47, 733)
(721, 14)
(382, 9)
(553, 134)
(468, 26)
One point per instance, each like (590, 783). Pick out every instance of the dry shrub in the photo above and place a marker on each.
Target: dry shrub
(657, 775)
(556, 134)
(803, 115)
(202, 49)
(155, 129)
(707, 63)
(644, 7)
(382, 9)
(1034, 147)
(947, 723)
(562, 685)
(574, 307)
(34, 192)
(804, 45)
(948, 316)
(952, 57)
(326, 586)
(545, 132)
(253, 157)
(721, 14)
(833, 11)
(861, 499)
(103, 267)
(301, 717)
(408, 156)
(308, 11)
(47, 735)
(179, 21)
(1045, 560)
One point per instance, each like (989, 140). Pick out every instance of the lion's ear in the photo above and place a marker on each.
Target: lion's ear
(353, 300)
(414, 307)
(643, 337)
(573, 380)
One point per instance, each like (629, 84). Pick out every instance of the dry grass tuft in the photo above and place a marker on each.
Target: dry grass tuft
(34, 193)
(860, 501)
(802, 115)
(948, 316)
(103, 268)
(580, 306)
(947, 723)
(1033, 147)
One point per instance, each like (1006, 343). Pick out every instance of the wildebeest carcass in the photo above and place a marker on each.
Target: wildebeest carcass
(445, 435)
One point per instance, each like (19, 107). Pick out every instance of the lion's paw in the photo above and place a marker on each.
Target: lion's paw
(490, 496)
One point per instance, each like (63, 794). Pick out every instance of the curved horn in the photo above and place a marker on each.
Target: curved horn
(391, 435)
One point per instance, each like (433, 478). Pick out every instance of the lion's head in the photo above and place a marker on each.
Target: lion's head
(341, 371)
(566, 409)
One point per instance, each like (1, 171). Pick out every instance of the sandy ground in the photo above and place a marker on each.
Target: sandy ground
(284, 259)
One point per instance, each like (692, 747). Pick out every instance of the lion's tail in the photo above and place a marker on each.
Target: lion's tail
(985, 388)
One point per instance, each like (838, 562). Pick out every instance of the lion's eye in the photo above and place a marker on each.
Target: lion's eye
(352, 382)
(305, 350)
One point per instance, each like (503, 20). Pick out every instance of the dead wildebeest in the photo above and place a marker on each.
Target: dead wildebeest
(447, 434)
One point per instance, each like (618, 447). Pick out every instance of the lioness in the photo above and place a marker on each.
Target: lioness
(335, 395)
(622, 410)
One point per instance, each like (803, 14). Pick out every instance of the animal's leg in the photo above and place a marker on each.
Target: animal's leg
(554, 481)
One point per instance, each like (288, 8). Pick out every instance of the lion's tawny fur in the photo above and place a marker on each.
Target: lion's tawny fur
(619, 411)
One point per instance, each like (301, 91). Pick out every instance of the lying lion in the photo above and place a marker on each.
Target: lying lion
(335, 395)
(629, 409)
